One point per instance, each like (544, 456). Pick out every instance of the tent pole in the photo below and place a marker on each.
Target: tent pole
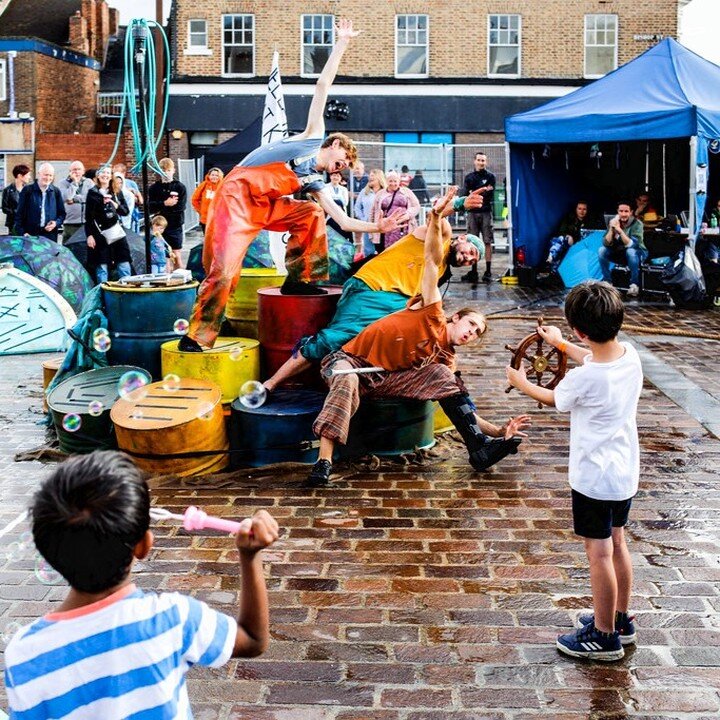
(693, 184)
(664, 178)
(508, 202)
(647, 166)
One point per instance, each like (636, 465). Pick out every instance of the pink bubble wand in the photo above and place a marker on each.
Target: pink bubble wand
(195, 519)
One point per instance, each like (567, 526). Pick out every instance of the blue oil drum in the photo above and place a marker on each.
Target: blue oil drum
(279, 431)
(80, 408)
(141, 319)
(390, 426)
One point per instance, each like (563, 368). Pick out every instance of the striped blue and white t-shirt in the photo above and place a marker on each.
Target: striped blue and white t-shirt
(123, 657)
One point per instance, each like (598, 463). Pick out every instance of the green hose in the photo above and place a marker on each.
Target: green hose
(129, 105)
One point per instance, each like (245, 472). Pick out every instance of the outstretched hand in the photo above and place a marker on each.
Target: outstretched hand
(255, 533)
(474, 200)
(515, 425)
(344, 29)
(442, 203)
(393, 221)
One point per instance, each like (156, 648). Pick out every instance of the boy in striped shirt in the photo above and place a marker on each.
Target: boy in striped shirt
(112, 651)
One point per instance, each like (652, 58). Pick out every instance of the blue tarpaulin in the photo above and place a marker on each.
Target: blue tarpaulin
(667, 92)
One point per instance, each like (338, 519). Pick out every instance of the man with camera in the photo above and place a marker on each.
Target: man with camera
(74, 189)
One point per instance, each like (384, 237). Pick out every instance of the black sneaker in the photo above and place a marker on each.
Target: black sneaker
(187, 344)
(290, 287)
(470, 277)
(625, 628)
(320, 474)
(493, 451)
(487, 277)
(588, 642)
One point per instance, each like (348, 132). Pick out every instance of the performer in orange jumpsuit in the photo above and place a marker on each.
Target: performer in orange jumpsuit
(253, 197)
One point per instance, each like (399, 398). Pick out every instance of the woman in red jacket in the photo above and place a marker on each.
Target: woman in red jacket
(204, 193)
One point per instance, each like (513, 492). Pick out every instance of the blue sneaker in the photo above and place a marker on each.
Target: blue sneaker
(625, 628)
(587, 642)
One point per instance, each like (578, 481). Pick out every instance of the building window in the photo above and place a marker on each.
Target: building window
(3, 80)
(600, 44)
(238, 44)
(318, 38)
(406, 148)
(411, 45)
(504, 45)
(197, 34)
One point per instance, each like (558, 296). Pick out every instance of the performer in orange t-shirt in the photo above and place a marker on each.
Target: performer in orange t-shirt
(416, 349)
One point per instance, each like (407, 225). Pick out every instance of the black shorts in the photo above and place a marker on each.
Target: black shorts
(174, 238)
(595, 519)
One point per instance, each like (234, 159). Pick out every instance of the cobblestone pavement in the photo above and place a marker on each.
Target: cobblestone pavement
(425, 591)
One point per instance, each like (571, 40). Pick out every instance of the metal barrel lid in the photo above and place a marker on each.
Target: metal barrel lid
(75, 394)
(166, 404)
(286, 401)
(223, 345)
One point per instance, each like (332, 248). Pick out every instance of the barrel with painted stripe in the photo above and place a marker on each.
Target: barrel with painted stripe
(285, 319)
(242, 308)
(173, 428)
(230, 363)
(141, 319)
(279, 431)
(80, 408)
(390, 426)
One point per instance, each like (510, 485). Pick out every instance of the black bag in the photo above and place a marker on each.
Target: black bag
(684, 281)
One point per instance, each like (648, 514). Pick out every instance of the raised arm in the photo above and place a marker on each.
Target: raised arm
(433, 249)
(316, 123)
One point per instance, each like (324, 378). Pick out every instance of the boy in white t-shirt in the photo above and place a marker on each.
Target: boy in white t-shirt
(601, 396)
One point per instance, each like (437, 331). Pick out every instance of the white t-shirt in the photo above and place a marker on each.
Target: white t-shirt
(602, 400)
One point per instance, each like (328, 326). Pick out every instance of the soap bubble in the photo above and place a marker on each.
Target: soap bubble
(236, 353)
(71, 422)
(171, 382)
(252, 394)
(26, 540)
(12, 552)
(101, 340)
(181, 326)
(46, 573)
(205, 411)
(137, 414)
(95, 408)
(9, 631)
(130, 381)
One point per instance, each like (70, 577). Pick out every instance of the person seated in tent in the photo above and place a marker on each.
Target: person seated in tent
(416, 348)
(567, 235)
(254, 197)
(623, 245)
(382, 286)
(645, 212)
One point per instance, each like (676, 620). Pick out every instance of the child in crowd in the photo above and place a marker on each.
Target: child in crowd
(112, 651)
(602, 397)
(160, 251)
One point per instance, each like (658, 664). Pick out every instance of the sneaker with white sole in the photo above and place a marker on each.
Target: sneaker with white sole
(633, 290)
(590, 643)
(625, 627)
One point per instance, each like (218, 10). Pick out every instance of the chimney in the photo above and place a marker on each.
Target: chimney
(78, 35)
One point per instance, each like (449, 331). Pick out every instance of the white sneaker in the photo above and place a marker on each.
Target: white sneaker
(633, 290)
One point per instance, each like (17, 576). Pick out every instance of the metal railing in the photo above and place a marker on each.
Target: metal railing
(110, 104)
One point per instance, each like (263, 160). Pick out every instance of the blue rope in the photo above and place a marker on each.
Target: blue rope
(130, 89)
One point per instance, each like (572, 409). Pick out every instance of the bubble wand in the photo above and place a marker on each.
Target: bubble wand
(195, 519)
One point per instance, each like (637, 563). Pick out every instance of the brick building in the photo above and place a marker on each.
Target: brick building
(51, 53)
(420, 72)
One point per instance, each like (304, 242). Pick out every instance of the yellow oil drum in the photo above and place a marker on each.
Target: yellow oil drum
(230, 363)
(50, 368)
(173, 428)
(441, 422)
(242, 308)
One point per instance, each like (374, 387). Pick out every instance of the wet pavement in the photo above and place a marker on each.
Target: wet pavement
(421, 590)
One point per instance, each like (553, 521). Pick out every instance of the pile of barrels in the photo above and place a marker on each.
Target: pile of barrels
(185, 416)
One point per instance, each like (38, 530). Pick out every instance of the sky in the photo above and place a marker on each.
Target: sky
(130, 9)
(699, 28)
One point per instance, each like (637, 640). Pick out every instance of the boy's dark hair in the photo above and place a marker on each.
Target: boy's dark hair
(88, 516)
(596, 310)
(625, 201)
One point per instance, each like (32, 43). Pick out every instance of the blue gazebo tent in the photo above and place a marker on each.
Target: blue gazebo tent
(666, 99)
